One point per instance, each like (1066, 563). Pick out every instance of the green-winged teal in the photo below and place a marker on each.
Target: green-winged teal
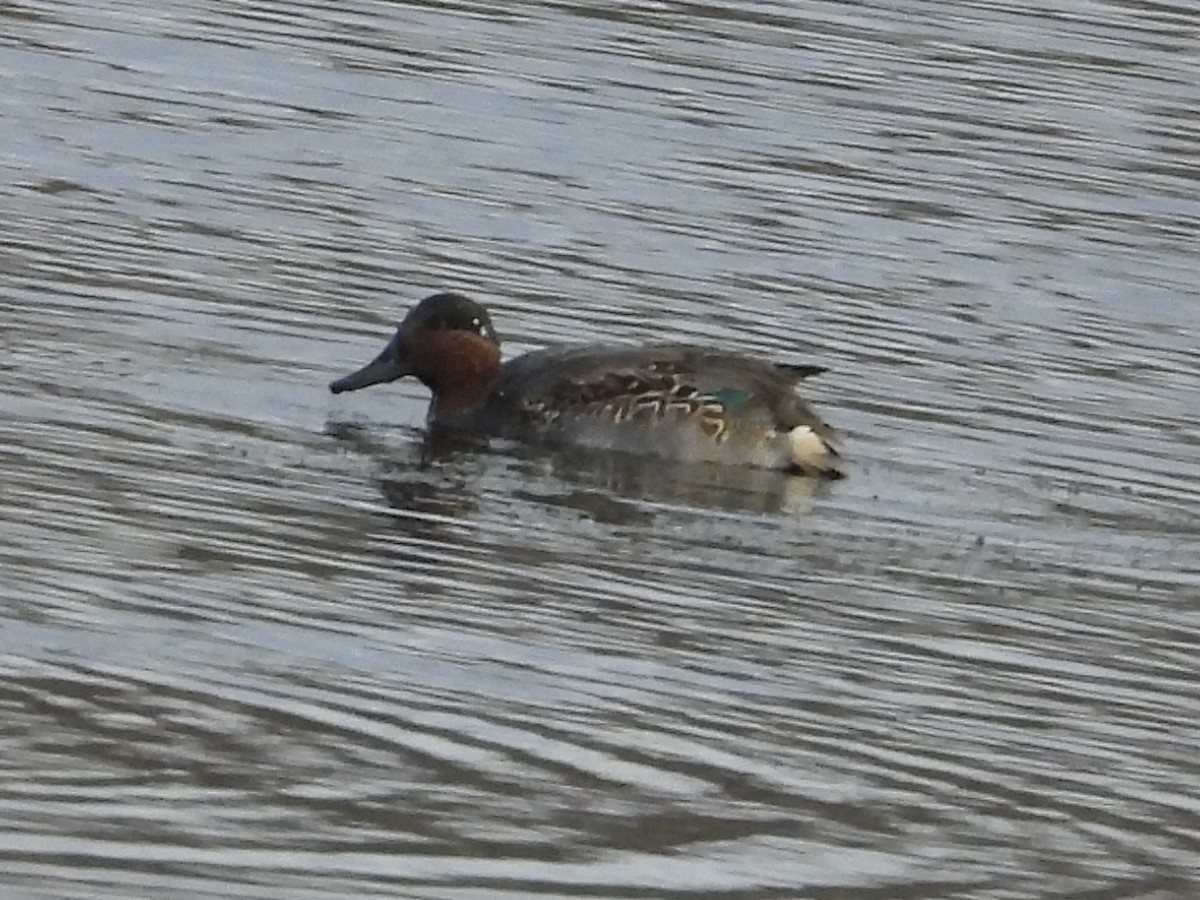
(674, 401)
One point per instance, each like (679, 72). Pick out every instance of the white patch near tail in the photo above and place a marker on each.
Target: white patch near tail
(813, 453)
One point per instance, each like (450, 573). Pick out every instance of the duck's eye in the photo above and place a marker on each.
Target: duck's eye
(478, 326)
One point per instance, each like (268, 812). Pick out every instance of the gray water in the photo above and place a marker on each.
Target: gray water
(259, 642)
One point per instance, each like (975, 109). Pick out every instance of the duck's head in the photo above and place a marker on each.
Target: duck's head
(448, 342)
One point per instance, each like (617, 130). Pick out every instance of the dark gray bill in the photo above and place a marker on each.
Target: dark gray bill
(387, 366)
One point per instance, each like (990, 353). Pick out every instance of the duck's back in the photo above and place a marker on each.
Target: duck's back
(675, 401)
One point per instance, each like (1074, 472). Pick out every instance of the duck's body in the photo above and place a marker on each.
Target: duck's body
(674, 401)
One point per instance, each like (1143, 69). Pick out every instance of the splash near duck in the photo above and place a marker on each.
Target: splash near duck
(674, 401)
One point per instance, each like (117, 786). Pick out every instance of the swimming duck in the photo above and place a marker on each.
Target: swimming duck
(675, 401)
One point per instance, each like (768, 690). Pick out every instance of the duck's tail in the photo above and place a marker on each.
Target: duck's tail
(798, 371)
(813, 452)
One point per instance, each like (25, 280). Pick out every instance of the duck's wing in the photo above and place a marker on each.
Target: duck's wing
(626, 368)
(615, 380)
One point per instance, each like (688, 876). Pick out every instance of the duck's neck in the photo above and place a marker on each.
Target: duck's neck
(461, 369)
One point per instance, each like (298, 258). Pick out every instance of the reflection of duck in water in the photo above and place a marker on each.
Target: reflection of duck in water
(674, 401)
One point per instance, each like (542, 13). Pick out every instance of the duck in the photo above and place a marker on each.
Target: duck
(678, 402)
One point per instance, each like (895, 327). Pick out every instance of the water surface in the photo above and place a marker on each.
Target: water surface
(260, 642)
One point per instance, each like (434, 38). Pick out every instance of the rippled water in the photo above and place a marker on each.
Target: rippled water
(260, 642)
